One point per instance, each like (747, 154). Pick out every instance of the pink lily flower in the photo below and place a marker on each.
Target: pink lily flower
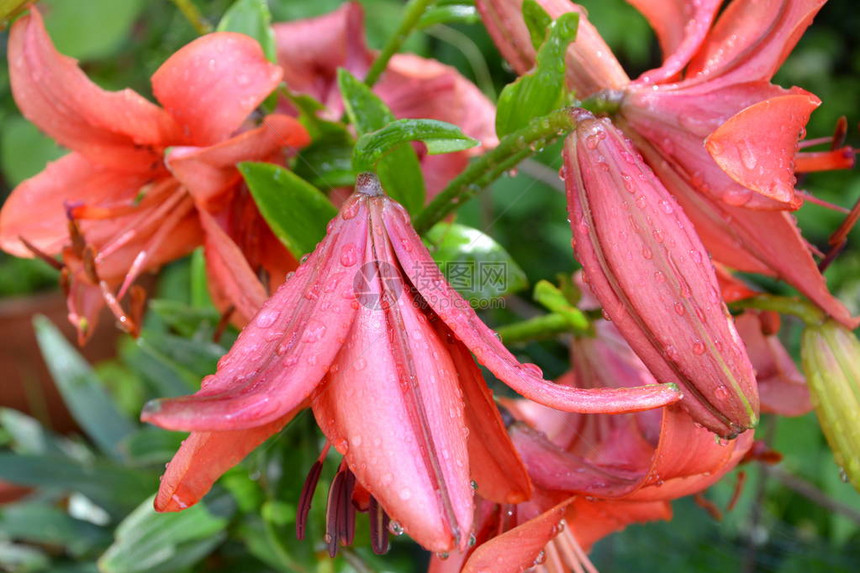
(369, 321)
(131, 208)
(713, 75)
(645, 264)
(311, 51)
(609, 472)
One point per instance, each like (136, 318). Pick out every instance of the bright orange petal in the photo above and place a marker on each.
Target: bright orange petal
(211, 85)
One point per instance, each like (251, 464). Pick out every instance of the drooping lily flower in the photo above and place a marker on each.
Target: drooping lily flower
(649, 270)
(368, 322)
(710, 74)
(310, 52)
(609, 472)
(133, 208)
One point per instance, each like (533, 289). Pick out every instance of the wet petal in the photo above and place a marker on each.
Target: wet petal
(681, 27)
(203, 458)
(751, 39)
(211, 85)
(110, 128)
(230, 276)
(782, 387)
(36, 209)
(283, 354)
(209, 171)
(465, 324)
(756, 147)
(311, 50)
(495, 465)
(411, 454)
(520, 548)
(644, 262)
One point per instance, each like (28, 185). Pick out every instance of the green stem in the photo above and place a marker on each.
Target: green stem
(537, 328)
(414, 10)
(512, 149)
(193, 15)
(804, 310)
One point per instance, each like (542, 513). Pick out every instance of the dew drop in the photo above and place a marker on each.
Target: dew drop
(348, 255)
(533, 369)
(843, 475)
(698, 348)
(679, 309)
(646, 253)
(659, 277)
(360, 364)
(266, 317)
(349, 211)
(721, 393)
(314, 332)
(395, 528)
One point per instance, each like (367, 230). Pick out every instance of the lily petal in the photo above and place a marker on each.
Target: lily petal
(496, 467)
(110, 128)
(466, 326)
(310, 52)
(681, 27)
(773, 125)
(650, 271)
(410, 452)
(231, 279)
(69, 180)
(204, 457)
(211, 85)
(288, 345)
(751, 39)
(208, 171)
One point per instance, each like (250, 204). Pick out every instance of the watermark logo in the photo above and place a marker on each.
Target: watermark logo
(377, 285)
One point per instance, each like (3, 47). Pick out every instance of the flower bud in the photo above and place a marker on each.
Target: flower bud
(649, 270)
(830, 358)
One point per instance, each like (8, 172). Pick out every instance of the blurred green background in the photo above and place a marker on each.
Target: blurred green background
(798, 516)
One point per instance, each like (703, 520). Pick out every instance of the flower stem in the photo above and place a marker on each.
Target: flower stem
(512, 149)
(193, 15)
(414, 10)
(804, 310)
(537, 328)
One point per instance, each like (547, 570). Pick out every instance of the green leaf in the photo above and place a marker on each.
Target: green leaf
(542, 90)
(91, 29)
(186, 320)
(152, 446)
(114, 488)
(553, 299)
(169, 378)
(438, 136)
(537, 21)
(200, 297)
(24, 150)
(149, 542)
(449, 12)
(40, 522)
(252, 18)
(82, 391)
(474, 264)
(21, 558)
(29, 436)
(400, 170)
(296, 211)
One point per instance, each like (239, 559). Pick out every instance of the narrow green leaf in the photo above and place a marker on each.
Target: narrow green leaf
(296, 211)
(400, 170)
(28, 435)
(474, 264)
(82, 391)
(152, 446)
(147, 541)
(114, 488)
(553, 299)
(438, 136)
(252, 18)
(39, 522)
(537, 21)
(186, 320)
(543, 90)
(200, 297)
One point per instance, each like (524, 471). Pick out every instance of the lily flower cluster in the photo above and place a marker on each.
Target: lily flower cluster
(664, 194)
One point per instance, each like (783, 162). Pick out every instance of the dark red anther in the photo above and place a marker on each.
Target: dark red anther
(306, 497)
(340, 513)
(378, 528)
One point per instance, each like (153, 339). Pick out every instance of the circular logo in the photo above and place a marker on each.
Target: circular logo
(377, 285)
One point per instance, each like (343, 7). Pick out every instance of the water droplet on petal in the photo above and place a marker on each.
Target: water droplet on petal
(698, 348)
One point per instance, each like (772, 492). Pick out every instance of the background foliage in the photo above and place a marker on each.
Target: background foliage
(92, 501)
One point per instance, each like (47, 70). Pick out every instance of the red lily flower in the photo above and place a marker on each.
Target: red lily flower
(311, 51)
(368, 320)
(650, 272)
(134, 209)
(607, 473)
